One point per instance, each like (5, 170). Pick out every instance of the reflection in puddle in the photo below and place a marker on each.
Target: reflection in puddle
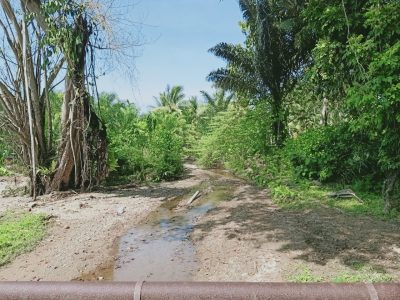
(155, 257)
(161, 249)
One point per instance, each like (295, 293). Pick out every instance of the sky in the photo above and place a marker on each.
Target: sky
(175, 37)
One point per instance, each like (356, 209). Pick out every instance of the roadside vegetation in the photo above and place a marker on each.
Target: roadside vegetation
(19, 233)
(317, 107)
(360, 273)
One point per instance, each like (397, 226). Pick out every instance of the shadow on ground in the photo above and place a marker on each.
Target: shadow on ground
(317, 236)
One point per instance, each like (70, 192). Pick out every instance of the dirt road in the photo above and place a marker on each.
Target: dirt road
(232, 233)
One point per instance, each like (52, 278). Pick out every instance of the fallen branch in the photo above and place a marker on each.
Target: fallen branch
(194, 197)
(345, 194)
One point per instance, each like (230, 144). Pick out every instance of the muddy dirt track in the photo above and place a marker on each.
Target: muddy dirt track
(233, 232)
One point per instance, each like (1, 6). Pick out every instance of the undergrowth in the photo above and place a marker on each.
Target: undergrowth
(236, 141)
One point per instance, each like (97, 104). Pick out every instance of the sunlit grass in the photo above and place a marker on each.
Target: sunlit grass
(361, 273)
(297, 194)
(19, 233)
(304, 275)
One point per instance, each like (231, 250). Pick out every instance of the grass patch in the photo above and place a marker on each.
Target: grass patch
(303, 274)
(372, 205)
(4, 171)
(363, 273)
(296, 194)
(289, 191)
(19, 233)
(292, 194)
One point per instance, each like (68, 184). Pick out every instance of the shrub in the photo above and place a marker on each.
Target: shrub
(333, 154)
(235, 138)
(164, 152)
(4, 171)
(142, 147)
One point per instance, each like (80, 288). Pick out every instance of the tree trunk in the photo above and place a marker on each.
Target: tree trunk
(82, 161)
(279, 118)
(29, 102)
(391, 191)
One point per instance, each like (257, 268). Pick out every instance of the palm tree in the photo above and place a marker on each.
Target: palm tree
(274, 56)
(219, 101)
(170, 99)
(191, 109)
(193, 106)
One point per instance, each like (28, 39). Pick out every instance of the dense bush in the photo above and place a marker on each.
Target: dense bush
(142, 147)
(164, 151)
(235, 138)
(333, 154)
(126, 134)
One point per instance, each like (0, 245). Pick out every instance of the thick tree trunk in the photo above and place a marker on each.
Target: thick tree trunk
(82, 160)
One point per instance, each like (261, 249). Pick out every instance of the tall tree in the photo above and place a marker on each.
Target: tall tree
(28, 75)
(274, 56)
(82, 154)
(171, 98)
(219, 101)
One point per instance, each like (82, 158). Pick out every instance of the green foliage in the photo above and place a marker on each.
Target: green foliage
(298, 57)
(19, 233)
(377, 105)
(60, 17)
(333, 154)
(373, 277)
(304, 275)
(235, 138)
(217, 102)
(165, 145)
(56, 100)
(274, 56)
(4, 149)
(126, 133)
(148, 147)
(5, 152)
(170, 99)
(373, 205)
(4, 171)
(363, 273)
(352, 73)
(357, 59)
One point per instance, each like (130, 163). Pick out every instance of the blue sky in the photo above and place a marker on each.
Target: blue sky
(176, 35)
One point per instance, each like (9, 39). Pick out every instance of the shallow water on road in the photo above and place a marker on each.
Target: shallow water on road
(161, 249)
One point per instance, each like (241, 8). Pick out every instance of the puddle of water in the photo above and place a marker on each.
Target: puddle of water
(155, 259)
(161, 249)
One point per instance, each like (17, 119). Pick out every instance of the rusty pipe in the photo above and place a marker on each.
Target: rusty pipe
(195, 291)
